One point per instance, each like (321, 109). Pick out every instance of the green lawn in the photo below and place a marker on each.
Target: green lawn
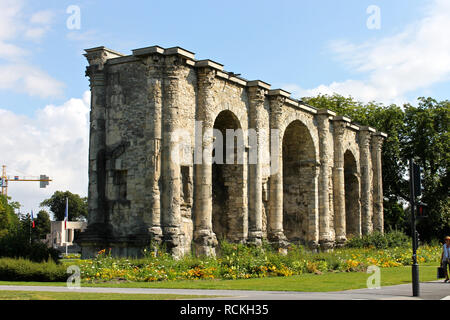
(41, 295)
(305, 282)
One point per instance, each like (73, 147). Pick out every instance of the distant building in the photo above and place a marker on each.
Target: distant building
(59, 237)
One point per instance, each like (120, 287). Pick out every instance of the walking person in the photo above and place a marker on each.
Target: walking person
(445, 258)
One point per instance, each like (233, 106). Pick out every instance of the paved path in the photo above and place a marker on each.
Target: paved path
(434, 290)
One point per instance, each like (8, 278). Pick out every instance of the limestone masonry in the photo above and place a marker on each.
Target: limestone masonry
(321, 185)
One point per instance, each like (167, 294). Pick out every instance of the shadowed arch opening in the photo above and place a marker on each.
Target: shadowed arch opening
(298, 193)
(228, 214)
(352, 196)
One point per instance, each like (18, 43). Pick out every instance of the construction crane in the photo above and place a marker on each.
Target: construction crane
(43, 179)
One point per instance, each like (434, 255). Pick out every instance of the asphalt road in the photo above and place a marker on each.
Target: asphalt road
(434, 290)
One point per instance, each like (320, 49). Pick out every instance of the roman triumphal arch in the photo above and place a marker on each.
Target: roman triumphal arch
(187, 154)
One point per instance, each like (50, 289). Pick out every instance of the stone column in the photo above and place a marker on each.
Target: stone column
(204, 238)
(256, 101)
(313, 208)
(171, 215)
(156, 100)
(377, 143)
(340, 125)
(326, 240)
(365, 136)
(99, 228)
(97, 138)
(275, 217)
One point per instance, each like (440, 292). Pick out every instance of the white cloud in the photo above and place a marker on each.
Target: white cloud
(11, 52)
(415, 58)
(30, 80)
(16, 72)
(9, 13)
(44, 17)
(40, 24)
(53, 142)
(36, 33)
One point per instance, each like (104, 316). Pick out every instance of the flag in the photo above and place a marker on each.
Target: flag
(32, 219)
(66, 215)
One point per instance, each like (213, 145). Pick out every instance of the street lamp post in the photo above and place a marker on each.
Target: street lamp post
(415, 266)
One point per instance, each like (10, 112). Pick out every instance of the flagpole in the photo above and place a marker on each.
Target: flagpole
(66, 218)
(29, 228)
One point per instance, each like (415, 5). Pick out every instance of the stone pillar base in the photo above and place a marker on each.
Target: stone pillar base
(255, 238)
(156, 234)
(172, 239)
(326, 245)
(279, 242)
(205, 243)
(340, 241)
(313, 246)
(96, 237)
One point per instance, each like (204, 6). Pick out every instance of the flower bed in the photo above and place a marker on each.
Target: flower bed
(237, 261)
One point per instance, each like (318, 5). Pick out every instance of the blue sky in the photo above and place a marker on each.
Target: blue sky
(305, 47)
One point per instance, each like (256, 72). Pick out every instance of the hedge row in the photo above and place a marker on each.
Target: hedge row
(25, 270)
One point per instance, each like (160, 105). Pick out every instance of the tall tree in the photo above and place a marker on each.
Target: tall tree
(427, 139)
(8, 218)
(57, 204)
(43, 224)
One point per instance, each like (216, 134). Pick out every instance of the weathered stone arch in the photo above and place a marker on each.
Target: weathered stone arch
(352, 195)
(308, 123)
(299, 163)
(145, 97)
(236, 111)
(228, 183)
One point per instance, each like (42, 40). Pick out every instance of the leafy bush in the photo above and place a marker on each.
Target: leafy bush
(16, 244)
(380, 240)
(26, 270)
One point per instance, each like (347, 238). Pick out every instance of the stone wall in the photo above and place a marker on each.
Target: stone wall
(154, 176)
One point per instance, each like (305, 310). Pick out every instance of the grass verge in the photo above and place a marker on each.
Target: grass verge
(326, 282)
(42, 295)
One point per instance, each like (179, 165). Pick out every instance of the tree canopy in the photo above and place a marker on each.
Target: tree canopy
(57, 204)
(8, 219)
(42, 224)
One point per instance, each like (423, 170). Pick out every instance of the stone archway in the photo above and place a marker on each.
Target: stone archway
(352, 196)
(298, 158)
(228, 201)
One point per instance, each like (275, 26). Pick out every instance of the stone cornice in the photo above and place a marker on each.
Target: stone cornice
(279, 92)
(232, 78)
(179, 51)
(104, 49)
(115, 57)
(258, 83)
(209, 64)
(100, 55)
(381, 134)
(354, 127)
(326, 112)
(342, 118)
(148, 50)
(367, 128)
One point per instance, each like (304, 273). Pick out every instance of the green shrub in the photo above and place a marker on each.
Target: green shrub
(26, 270)
(16, 244)
(380, 240)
